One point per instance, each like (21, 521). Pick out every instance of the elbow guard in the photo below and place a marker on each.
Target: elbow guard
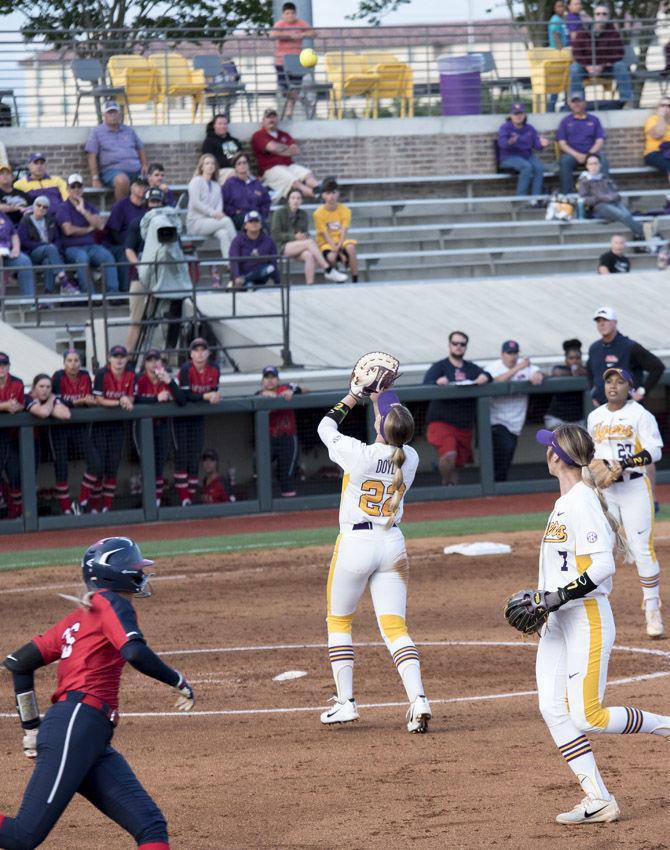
(24, 660)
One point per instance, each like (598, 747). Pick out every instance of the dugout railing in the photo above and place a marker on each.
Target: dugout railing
(238, 428)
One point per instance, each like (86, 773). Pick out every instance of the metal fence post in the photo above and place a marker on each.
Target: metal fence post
(148, 469)
(28, 478)
(485, 445)
(263, 459)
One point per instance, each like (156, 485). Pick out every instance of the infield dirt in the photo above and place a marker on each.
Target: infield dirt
(486, 775)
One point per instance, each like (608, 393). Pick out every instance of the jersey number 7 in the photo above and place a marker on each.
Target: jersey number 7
(376, 498)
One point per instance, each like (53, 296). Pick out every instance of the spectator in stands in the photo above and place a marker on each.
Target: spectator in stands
(11, 402)
(156, 180)
(578, 135)
(657, 138)
(205, 216)
(290, 231)
(284, 444)
(615, 260)
(614, 350)
(79, 221)
(557, 30)
(575, 19)
(567, 407)
(598, 51)
(517, 139)
(274, 150)
(40, 240)
(253, 256)
(38, 182)
(121, 216)
(602, 198)
(13, 258)
(331, 224)
(244, 193)
(212, 487)
(13, 202)
(288, 33)
(221, 145)
(115, 152)
(154, 198)
(508, 413)
(450, 423)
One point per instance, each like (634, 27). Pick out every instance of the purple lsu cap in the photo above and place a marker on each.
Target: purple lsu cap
(517, 108)
(384, 404)
(548, 438)
(623, 373)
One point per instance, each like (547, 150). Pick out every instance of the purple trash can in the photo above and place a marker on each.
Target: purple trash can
(461, 84)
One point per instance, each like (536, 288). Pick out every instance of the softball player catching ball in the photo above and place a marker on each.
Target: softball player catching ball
(575, 577)
(72, 745)
(626, 435)
(371, 549)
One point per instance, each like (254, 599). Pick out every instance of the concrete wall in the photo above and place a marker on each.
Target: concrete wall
(348, 148)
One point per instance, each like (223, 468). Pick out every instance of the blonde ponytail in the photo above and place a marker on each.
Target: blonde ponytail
(621, 548)
(397, 458)
(398, 430)
(83, 601)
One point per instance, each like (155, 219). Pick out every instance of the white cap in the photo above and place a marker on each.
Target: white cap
(608, 313)
(75, 178)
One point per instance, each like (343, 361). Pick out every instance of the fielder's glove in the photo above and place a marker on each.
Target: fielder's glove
(527, 610)
(373, 373)
(605, 472)
(186, 696)
(30, 743)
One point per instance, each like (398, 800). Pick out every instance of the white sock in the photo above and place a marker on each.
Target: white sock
(341, 654)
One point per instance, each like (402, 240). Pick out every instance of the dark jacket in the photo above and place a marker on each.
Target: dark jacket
(239, 197)
(223, 148)
(603, 190)
(603, 48)
(286, 224)
(30, 237)
(621, 353)
(245, 254)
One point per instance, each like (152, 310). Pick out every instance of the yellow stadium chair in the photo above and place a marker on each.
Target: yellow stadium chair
(135, 75)
(396, 80)
(549, 73)
(350, 77)
(177, 78)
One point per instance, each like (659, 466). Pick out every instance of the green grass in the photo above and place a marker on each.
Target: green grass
(485, 526)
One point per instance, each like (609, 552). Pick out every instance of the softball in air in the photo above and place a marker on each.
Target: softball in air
(308, 58)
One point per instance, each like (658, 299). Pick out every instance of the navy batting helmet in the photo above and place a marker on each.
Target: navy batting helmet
(116, 563)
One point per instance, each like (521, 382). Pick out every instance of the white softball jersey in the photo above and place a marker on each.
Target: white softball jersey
(620, 433)
(367, 486)
(577, 529)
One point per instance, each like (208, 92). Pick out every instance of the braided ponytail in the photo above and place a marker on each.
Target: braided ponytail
(399, 430)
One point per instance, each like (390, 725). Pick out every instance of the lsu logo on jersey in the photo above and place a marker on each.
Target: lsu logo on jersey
(619, 431)
(556, 532)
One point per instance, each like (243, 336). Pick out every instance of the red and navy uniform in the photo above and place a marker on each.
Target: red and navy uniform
(108, 436)
(74, 752)
(70, 441)
(146, 392)
(284, 446)
(190, 430)
(9, 447)
(214, 491)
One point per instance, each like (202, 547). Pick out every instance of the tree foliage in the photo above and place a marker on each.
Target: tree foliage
(374, 11)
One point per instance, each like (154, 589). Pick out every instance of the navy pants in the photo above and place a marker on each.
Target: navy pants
(74, 756)
(504, 445)
(284, 450)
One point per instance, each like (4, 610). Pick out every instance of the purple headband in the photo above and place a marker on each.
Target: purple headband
(548, 438)
(384, 404)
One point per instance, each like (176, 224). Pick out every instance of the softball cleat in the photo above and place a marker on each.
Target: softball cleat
(654, 622)
(341, 712)
(418, 715)
(591, 810)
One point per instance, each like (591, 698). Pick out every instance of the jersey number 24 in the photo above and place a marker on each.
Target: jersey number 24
(376, 498)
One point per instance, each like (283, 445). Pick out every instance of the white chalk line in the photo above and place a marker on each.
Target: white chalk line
(229, 712)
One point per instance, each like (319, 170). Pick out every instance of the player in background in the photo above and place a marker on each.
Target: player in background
(199, 381)
(72, 385)
(575, 577)
(114, 387)
(627, 434)
(156, 386)
(371, 549)
(72, 745)
(42, 403)
(12, 400)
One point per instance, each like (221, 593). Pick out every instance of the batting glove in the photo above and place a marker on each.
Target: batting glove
(186, 696)
(30, 743)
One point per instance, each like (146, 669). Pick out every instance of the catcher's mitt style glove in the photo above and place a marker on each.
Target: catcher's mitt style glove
(373, 373)
(605, 472)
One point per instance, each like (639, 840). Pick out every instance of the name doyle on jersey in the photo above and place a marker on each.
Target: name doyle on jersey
(385, 467)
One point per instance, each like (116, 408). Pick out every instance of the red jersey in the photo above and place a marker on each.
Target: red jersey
(147, 390)
(108, 386)
(214, 491)
(88, 644)
(195, 383)
(69, 390)
(260, 140)
(13, 389)
(283, 422)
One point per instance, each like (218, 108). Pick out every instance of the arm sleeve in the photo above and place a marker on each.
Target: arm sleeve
(342, 450)
(602, 567)
(650, 363)
(650, 436)
(145, 660)
(177, 393)
(118, 619)
(97, 383)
